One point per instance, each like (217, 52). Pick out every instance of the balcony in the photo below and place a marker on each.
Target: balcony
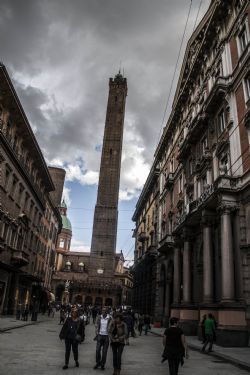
(166, 244)
(19, 258)
(217, 92)
(142, 237)
(169, 181)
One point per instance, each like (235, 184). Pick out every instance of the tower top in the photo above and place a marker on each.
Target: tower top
(118, 80)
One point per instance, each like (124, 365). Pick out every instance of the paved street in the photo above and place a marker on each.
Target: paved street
(37, 350)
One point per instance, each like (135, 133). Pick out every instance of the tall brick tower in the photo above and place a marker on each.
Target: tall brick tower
(103, 246)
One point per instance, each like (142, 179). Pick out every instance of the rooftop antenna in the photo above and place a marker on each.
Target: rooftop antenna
(120, 67)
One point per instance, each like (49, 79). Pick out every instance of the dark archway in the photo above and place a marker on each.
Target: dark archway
(88, 301)
(98, 301)
(163, 289)
(108, 302)
(78, 299)
(169, 287)
(59, 292)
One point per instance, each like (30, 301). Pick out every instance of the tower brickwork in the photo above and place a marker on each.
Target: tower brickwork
(103, 246)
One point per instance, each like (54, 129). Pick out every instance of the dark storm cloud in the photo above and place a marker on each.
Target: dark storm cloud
(62, 53)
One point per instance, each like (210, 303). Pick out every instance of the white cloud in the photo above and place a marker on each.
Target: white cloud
(78, 246)
(66, 195)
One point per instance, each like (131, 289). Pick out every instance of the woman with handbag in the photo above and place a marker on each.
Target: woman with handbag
(73, 333)
(118, 333)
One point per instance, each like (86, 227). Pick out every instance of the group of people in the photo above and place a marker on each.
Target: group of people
(112, 328)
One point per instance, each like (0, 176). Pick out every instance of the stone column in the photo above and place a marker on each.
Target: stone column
(238, 259)
(186, 273)
(207, 261)
(227, 257)
(176, 275)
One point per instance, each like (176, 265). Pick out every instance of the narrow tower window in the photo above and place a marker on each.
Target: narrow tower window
(110, 151)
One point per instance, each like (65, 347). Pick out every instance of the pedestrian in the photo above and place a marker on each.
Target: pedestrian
(53, 310)
(102, 326)
(175, 347)
(209, 331)
(26, 312)
(62, 315)
(128, 319)
(94, 314)
(140, 323)
(117, 334)
(203, 329)
(72, 332)
(147, 322)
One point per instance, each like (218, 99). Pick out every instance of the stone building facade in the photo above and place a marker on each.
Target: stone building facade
(27, 234)
(203, 158)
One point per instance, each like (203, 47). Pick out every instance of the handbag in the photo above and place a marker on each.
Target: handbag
(78, 338)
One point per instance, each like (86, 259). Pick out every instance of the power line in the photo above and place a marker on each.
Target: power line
(197, 15)
(92, 209)
(175, 70)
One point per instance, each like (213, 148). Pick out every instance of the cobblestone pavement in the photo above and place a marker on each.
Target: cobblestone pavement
(37, 350)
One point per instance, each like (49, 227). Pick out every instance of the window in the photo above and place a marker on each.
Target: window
(20, 192)
(204, 145)
(218, 71)
(14, 184)
(247, 87)
(221, 122)
(224, 165)
(7, 176)
(61, 243)
(204, 182)
(180, 184)
(243, 40)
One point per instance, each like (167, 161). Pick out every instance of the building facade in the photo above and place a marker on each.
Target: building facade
(203, 262)
(26, 235)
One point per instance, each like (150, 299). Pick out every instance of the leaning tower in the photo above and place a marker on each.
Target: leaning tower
(103, 246)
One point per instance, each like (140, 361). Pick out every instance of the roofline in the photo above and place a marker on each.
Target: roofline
(153, 174)
(206, 16)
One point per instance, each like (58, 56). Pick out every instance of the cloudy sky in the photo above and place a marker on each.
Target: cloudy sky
(60, 55)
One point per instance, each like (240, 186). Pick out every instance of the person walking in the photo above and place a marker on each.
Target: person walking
(102, 327)
(128, 319)
(203, 329)
(147, 323)
(209, 332)
(117, 334)
(72, 332)
(94, 314)
(62, 315)
(175, 347)
(140, 323)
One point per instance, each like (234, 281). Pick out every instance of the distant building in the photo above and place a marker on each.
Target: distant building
(203, 167)
(29, 221)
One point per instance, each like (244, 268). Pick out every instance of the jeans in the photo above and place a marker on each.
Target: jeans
(117, 349)
(173, 365)
(102, 349)
(209, 340)
(146, 328)
(68, 344)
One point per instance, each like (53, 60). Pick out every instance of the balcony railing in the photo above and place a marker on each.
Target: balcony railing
(142, 237)
(169, 180)
(19, 258)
